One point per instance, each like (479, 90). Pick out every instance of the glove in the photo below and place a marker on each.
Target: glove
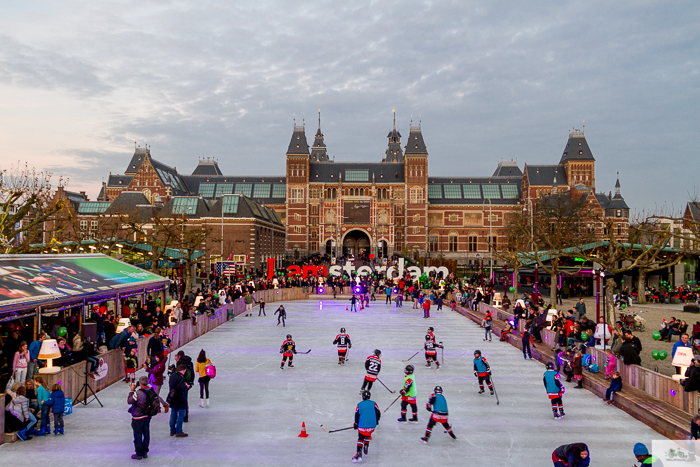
(476, 374)
(427, 407)
(402, 392)
(295, 352)
(354, 426)
(281, 351)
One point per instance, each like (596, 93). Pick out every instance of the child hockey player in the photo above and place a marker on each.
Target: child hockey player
(343, 341)
(373, 365)
(438, 406)
(482, 370)
(408, 395)
(554, 390)
(282, 315)
(367, 417)
(288, 349)
(431, 351)
(431, 332)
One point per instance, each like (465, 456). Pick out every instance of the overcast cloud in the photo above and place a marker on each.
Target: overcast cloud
(81, 81)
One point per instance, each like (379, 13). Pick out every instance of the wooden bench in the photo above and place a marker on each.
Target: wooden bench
(657, 414)
(10, 437)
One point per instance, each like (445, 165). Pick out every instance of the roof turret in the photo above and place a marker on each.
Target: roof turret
(394, 152)
(576, 148)
(318, 150)
(298, 144)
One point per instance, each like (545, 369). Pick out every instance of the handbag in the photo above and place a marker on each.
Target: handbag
(211, 371)
(171, 395)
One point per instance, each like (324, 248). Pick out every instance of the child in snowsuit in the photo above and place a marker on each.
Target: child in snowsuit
(609, 364)
(615, 386)
(578, 369)
(57, 402)
(437, 404)
(367, 417)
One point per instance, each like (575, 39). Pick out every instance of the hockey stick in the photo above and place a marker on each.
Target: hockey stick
(380, 381)
(443, 352)
(304, 353)
(397, 398)
(333, 431)
(347, 352)
(412, 356)
(498, 402)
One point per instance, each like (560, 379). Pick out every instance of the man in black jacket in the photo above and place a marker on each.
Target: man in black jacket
(177, 398)
(183, 359)
(140, 419)
(634, 339)
(155, 346)
(630, 353)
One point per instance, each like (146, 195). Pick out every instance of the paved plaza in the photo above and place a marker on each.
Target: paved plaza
(257, 410)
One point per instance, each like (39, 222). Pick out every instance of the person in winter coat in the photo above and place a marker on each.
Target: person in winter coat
(177, 399)
(201, 368)
(140, 418)
(692, 374)
(630, 354)
(20, 362)
(615, 386)
(578, 369)
(156, 371)
(571, 455)
(42, 395)
(57, 402)
(20, 409)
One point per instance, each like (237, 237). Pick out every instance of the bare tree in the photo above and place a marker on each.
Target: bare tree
(25, 204)
(514, 251)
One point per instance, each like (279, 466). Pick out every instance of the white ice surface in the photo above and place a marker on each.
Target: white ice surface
(257, 410)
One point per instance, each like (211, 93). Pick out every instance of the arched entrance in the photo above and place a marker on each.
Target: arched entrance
(357, 243)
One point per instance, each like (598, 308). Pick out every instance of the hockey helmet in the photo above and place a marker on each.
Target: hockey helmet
(366, 395)
(289, 336)
(550, 365)
(477, 352)
(377, 352)
(427, 337)
(438, 390)
(431, 329)
(342, 330)
(409, 369)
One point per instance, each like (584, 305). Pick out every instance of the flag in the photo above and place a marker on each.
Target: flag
(230, 256)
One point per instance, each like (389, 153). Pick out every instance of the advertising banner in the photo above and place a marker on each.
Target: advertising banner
(30, 278)
(356, 212)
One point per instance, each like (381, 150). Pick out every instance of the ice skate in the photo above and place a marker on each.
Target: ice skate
(481, 391)
(402, 420)
(366, 448)
(491, 392)
(356, 458)
(414, 419)
(453, 435)
(424, 440)
(290, 365)
(561, 413)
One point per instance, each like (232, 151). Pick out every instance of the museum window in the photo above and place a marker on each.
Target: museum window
(297, 217)
(494, 243)
(297, 195)
(314, 209)
(453, 242)
(433, 242)
(83, 225)
(416, 195)
(473, 243)
(297, 229)
(619, 229)
(93, 225)
(416, 230)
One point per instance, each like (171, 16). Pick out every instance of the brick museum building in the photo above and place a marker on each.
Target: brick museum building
(390, 205)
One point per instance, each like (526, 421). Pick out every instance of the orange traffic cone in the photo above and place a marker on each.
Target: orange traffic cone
(346, 308)
(303, 433)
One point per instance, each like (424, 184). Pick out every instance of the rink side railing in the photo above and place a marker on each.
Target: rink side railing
(656, 385)
(72, 378)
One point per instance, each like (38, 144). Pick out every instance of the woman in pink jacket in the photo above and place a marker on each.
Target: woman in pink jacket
(19, 363)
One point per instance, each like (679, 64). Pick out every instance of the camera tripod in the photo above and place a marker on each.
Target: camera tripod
(86, 387)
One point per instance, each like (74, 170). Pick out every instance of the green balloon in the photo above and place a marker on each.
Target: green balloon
(584, 336)
(167, 301)
(157, 301)
(656, 335)
(62, 332)
(663, 354)
(655, 354)
(511, 289)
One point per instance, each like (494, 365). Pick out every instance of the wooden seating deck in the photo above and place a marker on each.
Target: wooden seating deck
(657, 414)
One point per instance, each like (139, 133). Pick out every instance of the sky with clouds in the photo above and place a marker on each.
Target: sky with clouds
(491, 80)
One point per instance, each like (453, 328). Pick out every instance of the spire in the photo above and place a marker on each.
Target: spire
(554, 182)
(394, 110)
(318, 150)
(617, 186)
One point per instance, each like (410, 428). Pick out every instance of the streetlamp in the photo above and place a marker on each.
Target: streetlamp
(602, 273)
(532, 214)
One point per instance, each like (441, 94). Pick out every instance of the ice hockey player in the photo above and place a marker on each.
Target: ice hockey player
(282, 315)
(431, 351)
(343, 341)
(373, 365)
(431, 332)
(482, 370)
(367, 417)
(408, 395)
(555, 390)
(438, 406)
(288, 349)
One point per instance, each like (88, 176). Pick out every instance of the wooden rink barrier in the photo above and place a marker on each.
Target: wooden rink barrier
(72, 378)
(655, 399)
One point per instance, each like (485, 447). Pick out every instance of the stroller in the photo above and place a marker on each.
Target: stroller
(633, 321)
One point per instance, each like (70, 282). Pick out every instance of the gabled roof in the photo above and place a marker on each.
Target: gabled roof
(577, 148)
(207, 167)
(136, 160)
(508, 169)
(169, 177)
(127, 203)
(694, 209)
(357, 172)
(544, 175)
(298, 144)
(415, 143)
(119, 181)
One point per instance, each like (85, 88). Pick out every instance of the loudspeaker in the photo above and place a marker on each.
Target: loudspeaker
(88, 332)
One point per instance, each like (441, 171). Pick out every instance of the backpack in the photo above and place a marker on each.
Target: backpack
(593, 368)
(211, 371)
(152, 406)
(189, 374)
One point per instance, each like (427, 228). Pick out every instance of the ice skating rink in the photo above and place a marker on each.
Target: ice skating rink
(257, 410)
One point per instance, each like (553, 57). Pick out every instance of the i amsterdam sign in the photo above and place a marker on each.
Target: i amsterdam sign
(349, 269)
